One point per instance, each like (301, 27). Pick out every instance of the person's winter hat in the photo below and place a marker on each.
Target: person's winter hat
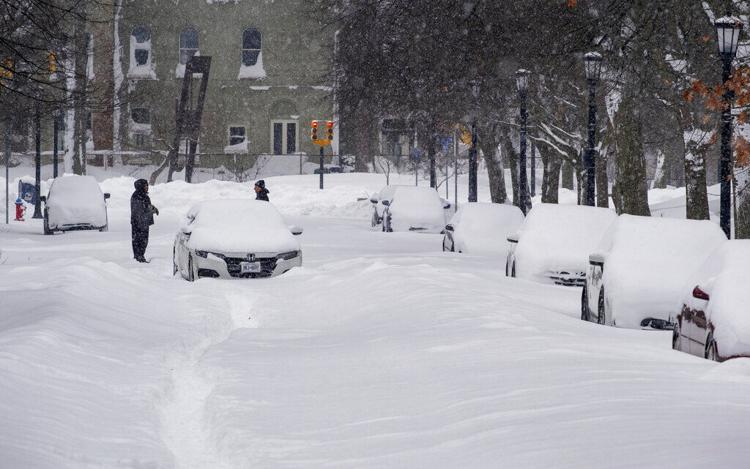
(261, 183)
(140, 185)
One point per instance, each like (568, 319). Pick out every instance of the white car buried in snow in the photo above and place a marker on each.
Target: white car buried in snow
(636, 277)
(482, 228)
(75, 203)
(235, 239)
(414, 208)
(555, 241)
(714, 322)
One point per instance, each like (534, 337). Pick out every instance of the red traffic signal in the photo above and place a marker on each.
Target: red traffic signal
(314, 133)
(329, 130)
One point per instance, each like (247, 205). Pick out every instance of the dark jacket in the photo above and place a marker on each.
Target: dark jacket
(262, 194)
(141, 210)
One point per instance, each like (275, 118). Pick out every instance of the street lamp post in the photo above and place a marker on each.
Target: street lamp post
(593, 65)
(522, 82)
(37, 161)
(473, 148)
(728, 31)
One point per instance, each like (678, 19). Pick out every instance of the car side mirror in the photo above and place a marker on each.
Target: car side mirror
(447, 205)
(448, 227)
(387, 203)
(373, 200)
(106, 195)
(186, 230)
(296, 230)
(43, 198)
(596, 259)
(513, 238)
(700, 294)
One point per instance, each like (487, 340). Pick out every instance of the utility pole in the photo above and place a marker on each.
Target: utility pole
(38, 162)
(7, 167)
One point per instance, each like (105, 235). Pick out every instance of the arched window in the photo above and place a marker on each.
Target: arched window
(188, 44)
(251, 43)
(140, 43)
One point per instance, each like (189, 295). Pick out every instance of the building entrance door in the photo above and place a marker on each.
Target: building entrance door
(284, 137)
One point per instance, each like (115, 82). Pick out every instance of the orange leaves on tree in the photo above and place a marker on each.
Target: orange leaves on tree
(741, 152)
(572, 3)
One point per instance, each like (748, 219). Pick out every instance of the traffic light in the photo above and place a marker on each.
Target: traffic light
(314, 130)
(329, 130)
(52, 59)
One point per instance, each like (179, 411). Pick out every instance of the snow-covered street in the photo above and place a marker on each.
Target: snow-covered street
(381, 351)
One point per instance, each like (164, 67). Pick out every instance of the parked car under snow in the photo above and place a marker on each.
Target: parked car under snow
(714, 321)
(414, 208)
(636, 277)
(235, 239)
(75, 203)
(482, 228)
(377, 200)
(554, 242)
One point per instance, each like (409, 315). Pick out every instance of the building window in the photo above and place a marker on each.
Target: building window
(236, 135)
(188, 45)
(284, 137)
(141, 46)
(140, 115)
(251, 43)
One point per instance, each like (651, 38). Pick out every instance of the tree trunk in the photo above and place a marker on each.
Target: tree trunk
(495, 170)
(79, 98)
(696, 193)
(431, 155)
(602, 180)
(568, 176)
(742, 223)
(551, 176)
(511, 156)
(630, 170)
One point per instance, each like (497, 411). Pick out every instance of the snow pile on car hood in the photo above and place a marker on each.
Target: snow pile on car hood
(417, 208)
(238, 226)
(728, 309)
(484, 227)
(649, 263)
(559, 238)
(76, 200)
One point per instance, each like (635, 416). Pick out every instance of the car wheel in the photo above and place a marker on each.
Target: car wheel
(712, 352)
(47, 231)
(601, 310)
(585, 312)
(676, 337)
(174, 262)
(191, 271)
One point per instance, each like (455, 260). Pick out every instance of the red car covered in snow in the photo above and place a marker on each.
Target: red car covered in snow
(714, 321)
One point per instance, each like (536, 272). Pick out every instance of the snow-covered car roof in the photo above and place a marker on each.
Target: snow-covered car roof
(560, 238)
(724, 277)
(649, 260)
(417, 207)
(76, 200)
(483, 227)
(241, 225)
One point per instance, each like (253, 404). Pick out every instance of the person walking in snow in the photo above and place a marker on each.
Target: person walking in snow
(261, 193)
(141, 218)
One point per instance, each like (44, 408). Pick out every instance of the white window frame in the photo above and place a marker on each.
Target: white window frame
(284, 123)
(229, 133)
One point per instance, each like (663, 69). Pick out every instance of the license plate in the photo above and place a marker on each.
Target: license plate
(249, 267)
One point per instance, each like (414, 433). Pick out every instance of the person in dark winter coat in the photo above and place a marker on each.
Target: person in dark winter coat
(141, 218)
(261, 193)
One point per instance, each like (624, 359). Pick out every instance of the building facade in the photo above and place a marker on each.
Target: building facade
(269, 77)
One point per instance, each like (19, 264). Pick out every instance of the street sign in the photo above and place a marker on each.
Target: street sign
(416, 154)
(447, 143)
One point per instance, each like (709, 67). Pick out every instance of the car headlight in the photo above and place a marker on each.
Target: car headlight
(204, 254)
(287, 255)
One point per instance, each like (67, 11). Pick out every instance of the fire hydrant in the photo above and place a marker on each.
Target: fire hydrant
(20, 209)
